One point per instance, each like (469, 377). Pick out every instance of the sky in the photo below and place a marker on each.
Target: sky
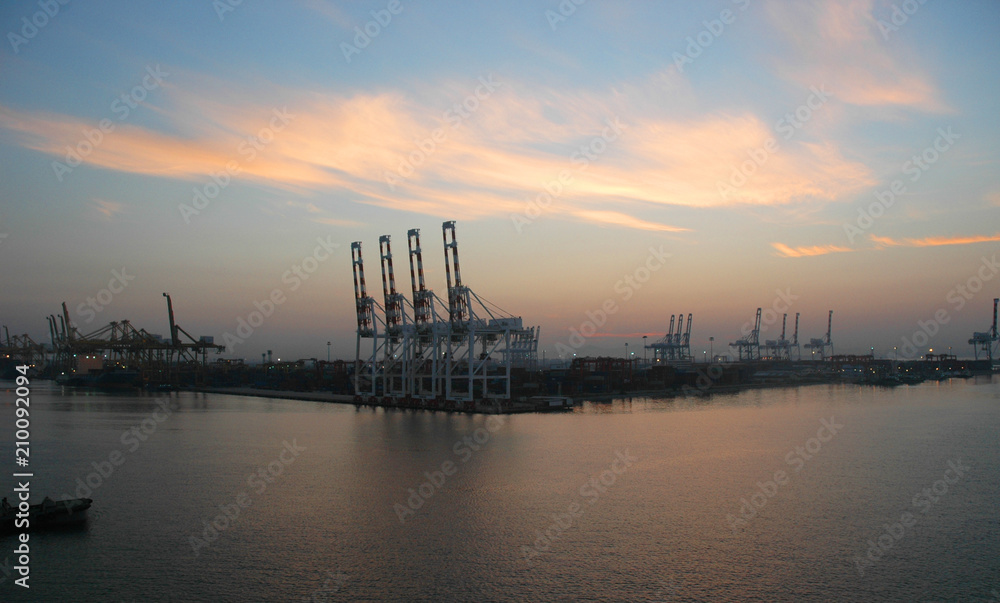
(608, 165)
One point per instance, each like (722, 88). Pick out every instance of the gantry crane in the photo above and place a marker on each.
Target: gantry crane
(822, 344)
(417, 353)
(748, 346)
(986, 342)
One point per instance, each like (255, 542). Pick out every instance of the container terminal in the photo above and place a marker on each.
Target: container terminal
(460, 354)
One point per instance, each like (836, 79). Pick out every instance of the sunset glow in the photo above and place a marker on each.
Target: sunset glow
(803, 145)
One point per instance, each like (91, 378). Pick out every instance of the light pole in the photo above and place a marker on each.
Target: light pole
(328, 352)
(644, 350)
(711, 346)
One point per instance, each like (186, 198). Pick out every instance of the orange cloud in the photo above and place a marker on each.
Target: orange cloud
(883, 241)
(798, 252)
(935, 241)
(409, 154)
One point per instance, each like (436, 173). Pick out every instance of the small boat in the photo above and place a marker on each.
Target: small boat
(46, 514)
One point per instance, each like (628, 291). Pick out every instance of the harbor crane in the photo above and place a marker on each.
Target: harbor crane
(675, 347)
(188, 351)
(986, 343)
(781, 348)
(822, 344)
(748, 346)
(417, 353)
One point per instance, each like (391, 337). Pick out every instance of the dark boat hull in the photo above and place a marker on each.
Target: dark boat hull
(49, 514)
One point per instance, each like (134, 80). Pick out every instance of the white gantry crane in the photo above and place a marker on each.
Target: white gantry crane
(428, 352)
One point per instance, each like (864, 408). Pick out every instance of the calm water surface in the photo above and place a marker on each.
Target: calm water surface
(739, 497)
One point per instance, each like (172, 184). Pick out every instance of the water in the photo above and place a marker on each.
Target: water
(327, 528)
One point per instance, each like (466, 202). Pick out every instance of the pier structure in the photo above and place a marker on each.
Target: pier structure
(134, 355)
(985, 343)
(675, 347)
(821, 344)
(119, 346)
(428, 352)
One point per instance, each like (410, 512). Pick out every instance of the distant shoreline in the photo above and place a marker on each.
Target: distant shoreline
(603, 397)
(274, 393)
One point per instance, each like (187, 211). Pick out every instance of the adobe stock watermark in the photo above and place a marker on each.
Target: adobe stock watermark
(566, 9)
(914, 167)
(590, 492)
(454, 117)
(704, 38)
(787, 127)
(293, 278)
(924, 500)
(92, 306)
(363, 36)
(224, 7)
(131, 440)
(122, 107)
(796, 458)
(625, 289)
(899, 16)
(437, 477)
(582, 158)
(30, 27)
(958, 296)
(259, 480)
(249, 148)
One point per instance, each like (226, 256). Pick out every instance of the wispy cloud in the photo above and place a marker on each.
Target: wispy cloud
(615, 218)
(313, 213)
(934, 241)
(839, 44)
(883, 241)
(108, 209)
(490, 164)
(798, 252)
(879, 242)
